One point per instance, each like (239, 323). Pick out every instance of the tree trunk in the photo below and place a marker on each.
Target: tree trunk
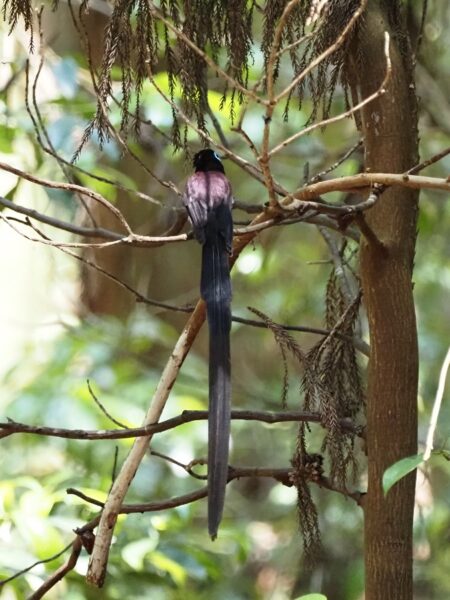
(390, 131)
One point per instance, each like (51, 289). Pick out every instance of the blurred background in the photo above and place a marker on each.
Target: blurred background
(62, 324)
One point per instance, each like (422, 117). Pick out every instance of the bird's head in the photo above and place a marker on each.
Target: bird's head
(208, 160)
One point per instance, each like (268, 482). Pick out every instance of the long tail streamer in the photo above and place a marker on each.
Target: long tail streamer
(216, 291)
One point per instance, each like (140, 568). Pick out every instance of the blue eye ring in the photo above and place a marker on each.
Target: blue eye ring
(216, 156)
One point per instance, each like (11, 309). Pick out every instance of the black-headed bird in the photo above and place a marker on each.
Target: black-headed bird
(208, 200)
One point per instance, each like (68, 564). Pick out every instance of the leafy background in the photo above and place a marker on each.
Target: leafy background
(51, 347)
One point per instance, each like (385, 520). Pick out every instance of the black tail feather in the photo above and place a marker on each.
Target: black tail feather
(216, 291)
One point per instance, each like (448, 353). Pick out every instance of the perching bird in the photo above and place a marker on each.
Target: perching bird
(208, 200)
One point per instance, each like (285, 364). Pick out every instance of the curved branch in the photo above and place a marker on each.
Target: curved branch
(70, 187)
(77, 546)
(97, 232)
(367, 180)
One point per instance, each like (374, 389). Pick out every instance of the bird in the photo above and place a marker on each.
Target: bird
(208, 200)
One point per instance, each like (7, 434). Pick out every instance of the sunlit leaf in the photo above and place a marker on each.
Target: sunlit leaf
(399, 469)
(312, 597)
(7, 135)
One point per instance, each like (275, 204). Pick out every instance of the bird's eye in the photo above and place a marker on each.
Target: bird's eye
(216, 156)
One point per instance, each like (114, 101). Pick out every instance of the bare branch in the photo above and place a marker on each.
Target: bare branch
(128, 509)
(335, 165)
(95, 232)
(348, 290)
(429, 161)
(10, 427)
(271, 103)
(102, 408)
(359, 344)
(143, 241)
(361, 181)
(77, 546)
(281, 475)
(35, 564)
(69, 187)
(186, 467)
(139, 297)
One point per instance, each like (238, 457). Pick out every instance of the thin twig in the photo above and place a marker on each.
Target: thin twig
(281, 475)
(94, 232)
(187, 468)
(217, 126)
(421, 27)
(35, 564)
(143, 241)
(429, 161)
(69, 187)
(271, 103)
(77, 546)
(346, 287)
(102, 408)
(39, 124)
(359, 343)
(129, 509)
(294, 45)
(336, 164)
(436, 407)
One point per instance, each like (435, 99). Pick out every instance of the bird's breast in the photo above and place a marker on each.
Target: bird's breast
(209, 187)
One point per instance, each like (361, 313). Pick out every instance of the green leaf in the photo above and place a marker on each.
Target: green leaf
(7, 135)
(399, 469)
(312, 597)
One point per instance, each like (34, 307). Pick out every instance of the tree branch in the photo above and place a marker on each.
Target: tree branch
(97, 566)
(35, 564)
(188, 416)
(361, 181)
(95, 232)
(77, 545)
(70, 187)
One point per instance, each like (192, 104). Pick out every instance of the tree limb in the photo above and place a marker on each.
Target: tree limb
(11, 427)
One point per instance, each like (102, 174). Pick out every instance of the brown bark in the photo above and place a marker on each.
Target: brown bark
(390, 130)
